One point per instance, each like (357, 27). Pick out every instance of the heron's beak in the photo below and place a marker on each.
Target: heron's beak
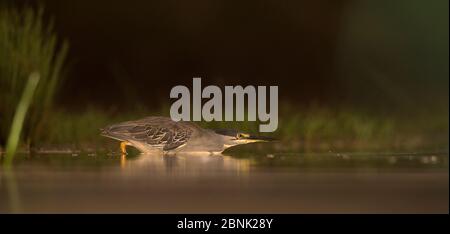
(253, 138)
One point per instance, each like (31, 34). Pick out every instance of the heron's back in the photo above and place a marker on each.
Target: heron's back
(165, 134)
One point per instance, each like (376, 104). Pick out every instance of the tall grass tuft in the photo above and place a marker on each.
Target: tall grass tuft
(28, 44)
(19, 117)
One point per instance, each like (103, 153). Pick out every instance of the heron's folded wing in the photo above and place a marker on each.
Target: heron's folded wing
(160, 137)
(179, 138)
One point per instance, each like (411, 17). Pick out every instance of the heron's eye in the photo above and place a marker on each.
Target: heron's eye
(241, 135)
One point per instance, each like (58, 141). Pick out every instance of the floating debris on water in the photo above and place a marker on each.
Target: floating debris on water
(434, 159)
(392, 160)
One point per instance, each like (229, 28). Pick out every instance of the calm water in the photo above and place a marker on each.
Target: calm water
(272, 183)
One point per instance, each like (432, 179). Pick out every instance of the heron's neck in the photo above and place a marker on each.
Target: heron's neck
(228, 143)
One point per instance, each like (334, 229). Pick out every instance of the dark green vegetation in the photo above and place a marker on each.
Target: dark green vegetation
(28, 45)
(19, 117)
(312, 129)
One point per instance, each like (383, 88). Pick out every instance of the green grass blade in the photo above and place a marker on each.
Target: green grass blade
(19, 117)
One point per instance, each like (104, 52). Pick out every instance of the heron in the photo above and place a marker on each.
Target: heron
(162, 134)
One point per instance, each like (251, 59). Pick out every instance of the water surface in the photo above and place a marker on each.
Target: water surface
(272, 183)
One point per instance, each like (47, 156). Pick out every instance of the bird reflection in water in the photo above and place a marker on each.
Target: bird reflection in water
(185, 164)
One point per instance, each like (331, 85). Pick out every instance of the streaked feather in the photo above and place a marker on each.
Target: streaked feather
(152, 132)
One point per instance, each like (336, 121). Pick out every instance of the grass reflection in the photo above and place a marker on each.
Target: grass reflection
(12, 190)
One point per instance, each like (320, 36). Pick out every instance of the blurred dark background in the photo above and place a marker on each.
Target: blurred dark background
(376, 54)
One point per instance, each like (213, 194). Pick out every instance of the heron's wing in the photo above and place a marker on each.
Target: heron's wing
(178, 139)
(161, 137)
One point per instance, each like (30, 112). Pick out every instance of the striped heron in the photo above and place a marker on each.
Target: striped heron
(156, 133)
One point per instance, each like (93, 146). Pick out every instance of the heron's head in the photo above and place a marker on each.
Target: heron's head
(233, 137)
(117, 131)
